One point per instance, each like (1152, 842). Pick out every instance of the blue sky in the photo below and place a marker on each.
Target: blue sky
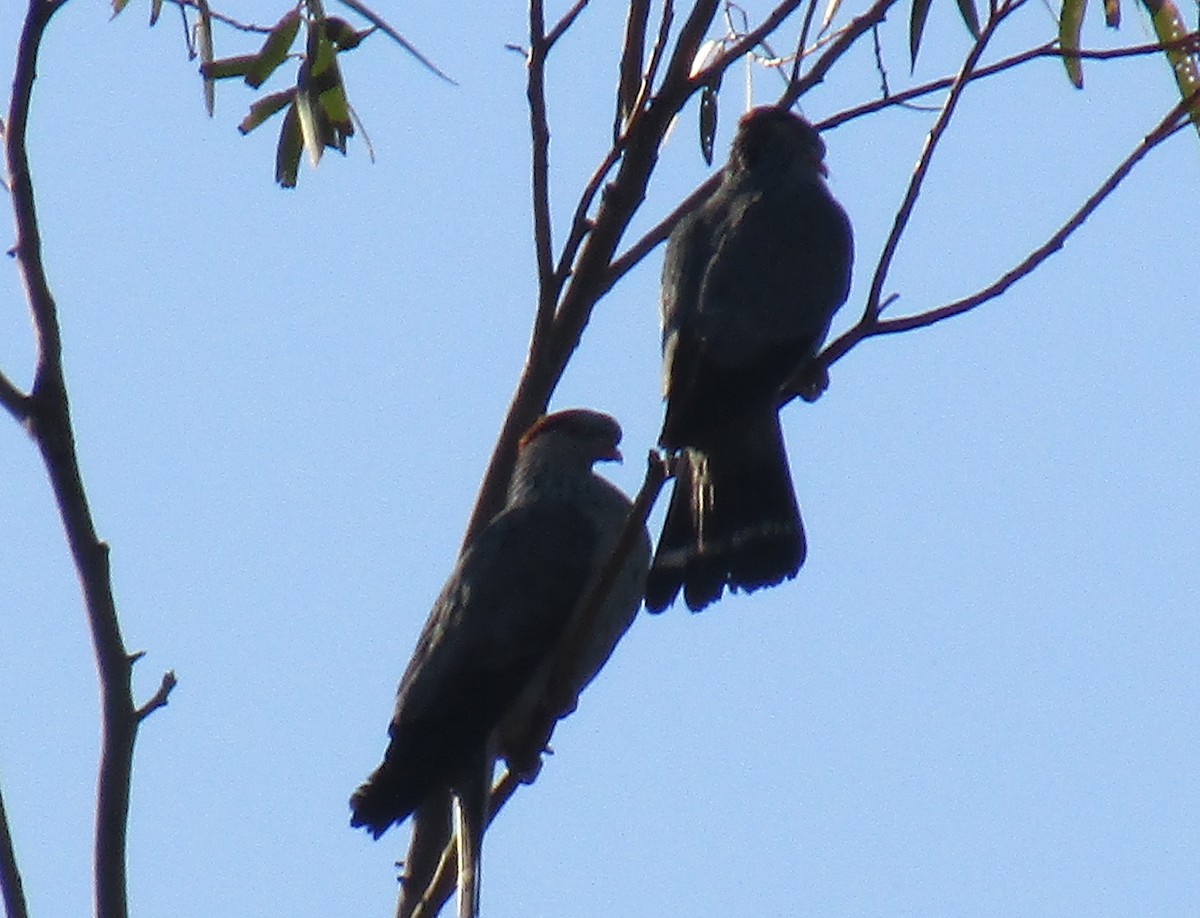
(978, 696)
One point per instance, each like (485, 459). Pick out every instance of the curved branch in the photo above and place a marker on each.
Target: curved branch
(49, 421)
(1175, 121)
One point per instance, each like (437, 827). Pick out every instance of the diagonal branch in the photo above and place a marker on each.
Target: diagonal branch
(1175, 121)
(14, 400)
(10, 877)
(904, 213)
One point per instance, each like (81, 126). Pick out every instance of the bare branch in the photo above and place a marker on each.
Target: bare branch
(13, 399)
(10, 877)
(49, 422)
(224, 19)
(660, 231)
(629, 71)
(1047, 50)
(802, 43)
(565, 23)
(580, 224)
(904, 213)
(657, 52)
(159, 698)
(539, 130)
(853, 31)
(747, 42)
(1175, 121)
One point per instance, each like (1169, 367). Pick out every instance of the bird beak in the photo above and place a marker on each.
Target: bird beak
(614, 455)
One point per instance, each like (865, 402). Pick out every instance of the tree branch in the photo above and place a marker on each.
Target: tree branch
(10, 877)
(1175, 121)
(904, 213)
(49, 422)
(1047, 50)
(539, 130)
(14, 400)
(629, 70)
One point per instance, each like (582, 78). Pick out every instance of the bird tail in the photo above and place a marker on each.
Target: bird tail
(733, 519)
(381, 801)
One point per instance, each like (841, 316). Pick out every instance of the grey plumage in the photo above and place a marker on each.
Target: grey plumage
(476, 686)
(751, 281)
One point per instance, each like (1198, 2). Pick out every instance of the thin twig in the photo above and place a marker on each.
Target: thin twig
(1048, 50)
(224, 19)
(661, 230)
(747, 42)
(580, 223)
(567, 20)
(14, 400)
(539, 131)
(802, 42)
(10, 877)
(159, 698)
(629, 70)
(656, 53)
(915, 184)
(854, 30)
(1175, 121)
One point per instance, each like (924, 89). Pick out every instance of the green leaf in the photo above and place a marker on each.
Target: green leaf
(1070, 22)
(227, 67)
(1169, 27)
(708, 122)
(204, 40)
(966, 9)
(287, 152)
(310, 126)
(1112, 13)
(155, 10)
(117, 6)
(916, 26)
(274, 50)
(264, 108)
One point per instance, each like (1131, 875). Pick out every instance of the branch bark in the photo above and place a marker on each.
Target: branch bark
(10, 877)
(47, 417)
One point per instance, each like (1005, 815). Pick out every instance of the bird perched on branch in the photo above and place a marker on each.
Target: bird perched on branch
(751, 281)
(493, 669)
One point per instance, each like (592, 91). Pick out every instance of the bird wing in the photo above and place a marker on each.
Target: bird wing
(780, 268)
(500, 613)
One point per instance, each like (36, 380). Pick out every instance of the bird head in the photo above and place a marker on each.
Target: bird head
(771, 139)
(589, 434)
